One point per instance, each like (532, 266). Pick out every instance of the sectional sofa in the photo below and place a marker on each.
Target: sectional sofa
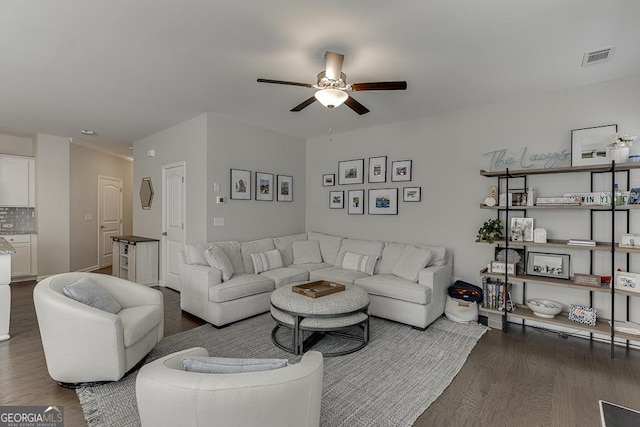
(406, 283)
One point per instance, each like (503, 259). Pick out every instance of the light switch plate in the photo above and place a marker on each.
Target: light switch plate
(218, 222)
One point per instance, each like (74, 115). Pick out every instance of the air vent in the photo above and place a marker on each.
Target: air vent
(597, 56)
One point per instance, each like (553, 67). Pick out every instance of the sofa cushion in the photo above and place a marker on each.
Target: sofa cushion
(92, 294)
(329, 245)
(393, 251)
(233, 251)
(358, 262)
(283, 244)
(363, 247)
(139, 321)
(313, 267)
(411, 262)
(286, 275)
(265, 261)
(336, 274)
(254, 247)
(194, 253)
(226, 365)
(239, 286)
(217, 258)
(390, 286)
(306, 252)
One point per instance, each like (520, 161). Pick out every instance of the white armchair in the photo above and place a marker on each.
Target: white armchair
(84, 344)
(286, 397)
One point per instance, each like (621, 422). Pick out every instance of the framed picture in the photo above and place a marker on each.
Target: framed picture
(285, 188)
(589, 145)
(629, 241)
(548, 265)
(336, 199)
(383, 201)
(401, 170)
(627, 281)
(355, 202)
(634, 196)
(378, 169)
(411, 194)
(500, 267)
(240, 184)
(264, 186)
(351, 172)
(521, 229)
(328, 179)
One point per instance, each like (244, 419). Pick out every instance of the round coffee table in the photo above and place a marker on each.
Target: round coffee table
(330, 314)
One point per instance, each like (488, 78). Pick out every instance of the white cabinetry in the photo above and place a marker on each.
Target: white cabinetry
(24, 261)
(135, 259)
(17, 181)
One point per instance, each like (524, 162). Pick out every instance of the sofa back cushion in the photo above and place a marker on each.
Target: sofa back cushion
(194, 253)
(283, 244)
(233, 251)
(362, 247)
(307, 252)
(217, 258)
(393, 251)
(329, 245)
(254, 247)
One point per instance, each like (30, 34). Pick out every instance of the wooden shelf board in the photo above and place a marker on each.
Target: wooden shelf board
(556, 243)
(566, 283)
(567, 169)
(547, 207)
(488, 310)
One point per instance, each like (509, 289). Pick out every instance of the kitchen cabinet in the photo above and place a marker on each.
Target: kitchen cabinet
(24, 260)
(136, 259)
(17, 181)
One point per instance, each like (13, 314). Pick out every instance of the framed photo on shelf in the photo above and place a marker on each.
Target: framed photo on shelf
(336, 199)
(378, 169)
(240, 184)
(627, 281)
(589, 145)
(351, 172)
(328, 179)
(355, 202)
(521, 229)
(499, 267)
(383, 201)
(285, 188)
(411, 194)
(629, 241)
(401, 170)
(548, 265)
(264, 186)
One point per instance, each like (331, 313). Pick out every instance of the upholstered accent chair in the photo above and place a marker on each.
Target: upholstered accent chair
(168, 395)
(83, 344)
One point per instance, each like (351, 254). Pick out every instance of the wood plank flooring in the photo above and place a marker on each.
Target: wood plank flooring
(526, 377)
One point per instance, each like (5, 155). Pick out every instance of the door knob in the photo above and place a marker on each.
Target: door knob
(164, 233)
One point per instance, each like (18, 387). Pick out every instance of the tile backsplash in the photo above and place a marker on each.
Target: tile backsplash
(22, 219)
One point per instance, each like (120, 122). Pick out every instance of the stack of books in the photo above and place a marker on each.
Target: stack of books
(580, 242)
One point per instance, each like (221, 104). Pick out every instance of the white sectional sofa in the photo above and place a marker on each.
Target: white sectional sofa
(400, 286)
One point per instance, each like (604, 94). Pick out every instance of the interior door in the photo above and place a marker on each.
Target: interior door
(173, 222)
(109, 217)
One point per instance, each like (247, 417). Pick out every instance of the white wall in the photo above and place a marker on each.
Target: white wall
(448, 153)
(239, 146)
(16, 145)
(52, 204)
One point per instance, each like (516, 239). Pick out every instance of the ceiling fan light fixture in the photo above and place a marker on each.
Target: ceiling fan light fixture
(331, 98)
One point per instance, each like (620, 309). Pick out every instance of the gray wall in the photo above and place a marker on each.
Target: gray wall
(85, 166)
(448, 153)
(16, 145)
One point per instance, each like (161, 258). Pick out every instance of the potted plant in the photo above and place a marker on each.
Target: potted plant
(490, 231)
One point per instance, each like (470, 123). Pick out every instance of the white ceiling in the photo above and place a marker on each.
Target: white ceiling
(130, 68)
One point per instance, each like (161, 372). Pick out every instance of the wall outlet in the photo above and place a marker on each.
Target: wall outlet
(216, 187)
(88, 217)
(218, 222)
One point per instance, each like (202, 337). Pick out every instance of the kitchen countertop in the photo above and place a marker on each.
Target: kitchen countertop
(5, 247)
(132, 240)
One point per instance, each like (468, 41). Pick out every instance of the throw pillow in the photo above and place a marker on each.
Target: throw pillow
(306, 252)
(411, 262)
(358, 262)
(92, 294)
(265, 261)
(216, 258)
(223, 365)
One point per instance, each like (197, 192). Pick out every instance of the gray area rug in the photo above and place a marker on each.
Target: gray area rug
(390, 382)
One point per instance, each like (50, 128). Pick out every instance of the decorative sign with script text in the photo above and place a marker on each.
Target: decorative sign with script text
(504, 158)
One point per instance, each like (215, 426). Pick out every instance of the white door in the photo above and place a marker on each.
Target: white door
(173, 222)
(109, 217)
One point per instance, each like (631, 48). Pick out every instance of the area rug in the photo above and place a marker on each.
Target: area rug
(390, 382)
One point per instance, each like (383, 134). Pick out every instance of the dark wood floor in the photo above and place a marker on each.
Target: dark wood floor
(526, 377)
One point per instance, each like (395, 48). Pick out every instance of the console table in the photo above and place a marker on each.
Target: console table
(135, 258)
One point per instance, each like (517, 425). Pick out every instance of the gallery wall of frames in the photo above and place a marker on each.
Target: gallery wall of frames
(241, 186)
(374, 201)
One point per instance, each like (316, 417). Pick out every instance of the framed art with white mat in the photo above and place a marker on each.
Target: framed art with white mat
(355, 202)
(383, 201)
(240, 184)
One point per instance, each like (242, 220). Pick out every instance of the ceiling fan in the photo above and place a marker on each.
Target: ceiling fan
(332, 86)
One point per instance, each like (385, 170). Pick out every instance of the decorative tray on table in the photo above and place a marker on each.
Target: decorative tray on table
(317, 289)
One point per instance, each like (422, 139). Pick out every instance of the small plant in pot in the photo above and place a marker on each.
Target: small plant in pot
(490, 231)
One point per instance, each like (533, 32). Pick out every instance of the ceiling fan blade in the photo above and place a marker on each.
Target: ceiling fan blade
(379, 86)
(304, 104)
(281, 82)
(333, 65)
(356, 106)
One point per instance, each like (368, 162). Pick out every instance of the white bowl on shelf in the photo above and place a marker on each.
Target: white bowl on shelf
(544, 307)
